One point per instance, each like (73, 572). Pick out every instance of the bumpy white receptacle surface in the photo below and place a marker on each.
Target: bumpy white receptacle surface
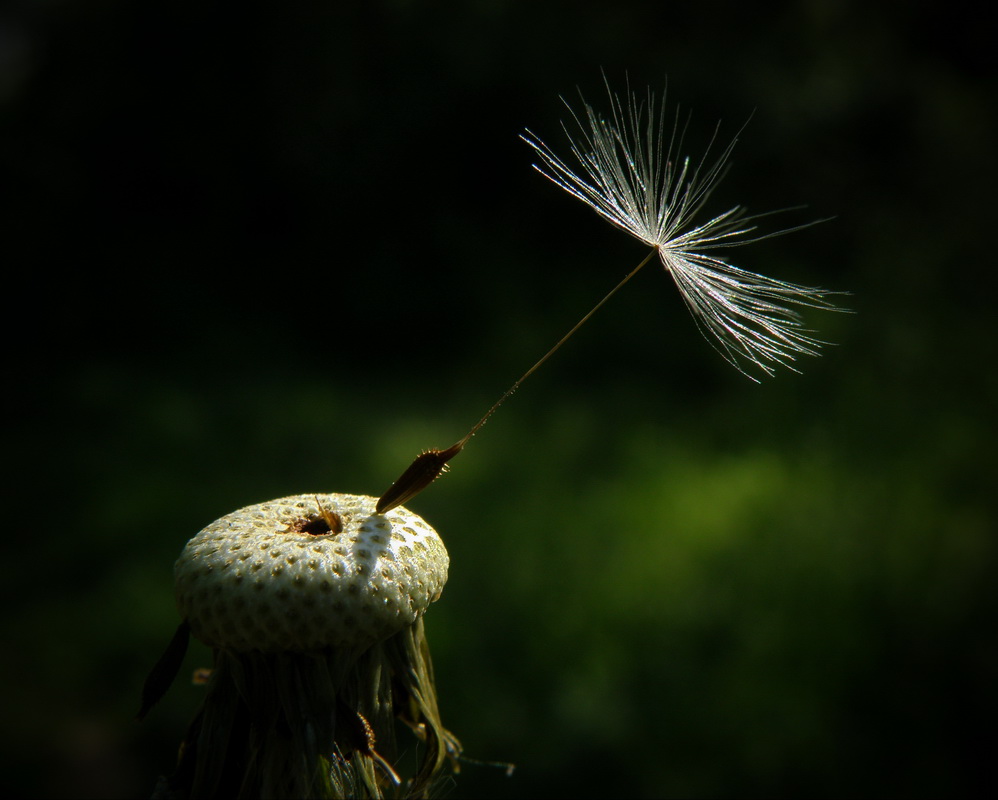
(253, 580)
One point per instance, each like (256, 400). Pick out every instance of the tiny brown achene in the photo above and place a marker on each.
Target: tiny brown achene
(313, 605)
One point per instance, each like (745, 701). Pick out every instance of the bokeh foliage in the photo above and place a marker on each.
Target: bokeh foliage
(260, 252)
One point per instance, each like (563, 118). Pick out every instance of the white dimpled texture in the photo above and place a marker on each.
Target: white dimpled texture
(253, 580)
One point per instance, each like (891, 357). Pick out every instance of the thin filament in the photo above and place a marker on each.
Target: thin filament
(460, 444)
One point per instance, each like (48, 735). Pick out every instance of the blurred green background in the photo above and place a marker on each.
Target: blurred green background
(281, 248)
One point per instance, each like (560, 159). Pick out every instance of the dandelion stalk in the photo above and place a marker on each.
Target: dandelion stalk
(628, 167)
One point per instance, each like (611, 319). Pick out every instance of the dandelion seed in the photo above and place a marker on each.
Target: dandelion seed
(630, 174)
(629, 170)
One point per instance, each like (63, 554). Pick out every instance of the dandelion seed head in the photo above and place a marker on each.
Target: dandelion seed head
(628, 166)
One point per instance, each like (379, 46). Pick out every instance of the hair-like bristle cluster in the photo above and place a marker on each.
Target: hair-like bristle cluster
(628, 167)
(273, 577)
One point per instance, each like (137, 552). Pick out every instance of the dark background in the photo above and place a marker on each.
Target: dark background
(257, 250)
